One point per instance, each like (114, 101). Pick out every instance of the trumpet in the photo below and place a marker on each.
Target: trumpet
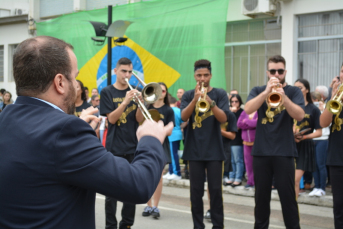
(274, 98)
(335, 105)
(150, 93)
(202, 104)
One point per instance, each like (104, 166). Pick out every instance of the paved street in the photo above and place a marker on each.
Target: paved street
(238, 210)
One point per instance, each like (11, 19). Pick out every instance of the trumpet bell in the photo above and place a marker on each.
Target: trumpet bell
(151, 92)
(334, 107)
(274, 100)
(203, 105)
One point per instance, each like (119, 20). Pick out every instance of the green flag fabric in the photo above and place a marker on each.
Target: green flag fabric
(164, 40)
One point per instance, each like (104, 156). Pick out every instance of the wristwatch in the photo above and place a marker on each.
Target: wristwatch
(213, 104)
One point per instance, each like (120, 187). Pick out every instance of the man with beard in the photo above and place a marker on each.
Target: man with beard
(274, 147)
(52, 163)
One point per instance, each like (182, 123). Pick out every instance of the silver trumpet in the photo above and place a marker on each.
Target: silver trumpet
(151, 92)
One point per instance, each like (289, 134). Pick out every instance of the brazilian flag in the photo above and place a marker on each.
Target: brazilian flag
(164, 40)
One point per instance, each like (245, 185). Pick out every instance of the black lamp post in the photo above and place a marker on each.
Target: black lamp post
(115, 29)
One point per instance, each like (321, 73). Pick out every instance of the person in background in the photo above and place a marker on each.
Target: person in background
(174, 140)
(306, 160)
(166, 115)
(247, 123)
(237, 160)
(81, 99)
(95, 91)
(334, 158)
(88, 99)
(179, 95)
(95, 102)
(2, 91)
(7, 99)
(321, 146)
(232, 92)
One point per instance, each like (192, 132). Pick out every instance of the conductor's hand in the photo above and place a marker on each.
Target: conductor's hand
(87, 116)
(154, 129)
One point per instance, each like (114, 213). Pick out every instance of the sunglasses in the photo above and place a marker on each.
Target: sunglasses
(273, 71)
(164, 91)
(234, 101)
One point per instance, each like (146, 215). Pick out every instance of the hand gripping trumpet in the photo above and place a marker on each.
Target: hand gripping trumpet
(151, 92)
(202, 104)
(274, 98)
(335, 107)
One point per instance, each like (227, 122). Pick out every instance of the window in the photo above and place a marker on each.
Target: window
(320, 47)
(249, 46)
(10, 61)
(1, 63)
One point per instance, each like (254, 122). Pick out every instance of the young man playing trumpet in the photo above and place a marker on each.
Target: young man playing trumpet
(203, 143)
(334, 116)
(117, 104)
(274, 149)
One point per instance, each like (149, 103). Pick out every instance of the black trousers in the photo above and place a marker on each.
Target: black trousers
(336, 173)
(283, 170)
(214, 178)
(127, 212)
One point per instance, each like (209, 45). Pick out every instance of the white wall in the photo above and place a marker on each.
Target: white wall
(289, 11)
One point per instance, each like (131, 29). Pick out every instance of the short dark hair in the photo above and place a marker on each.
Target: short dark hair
(202, 64)
(276, 59)
(123, 61)
(240, 101)
(93, 97)
(2, 90)
(83, 91)
(37, 61)
(172, 100)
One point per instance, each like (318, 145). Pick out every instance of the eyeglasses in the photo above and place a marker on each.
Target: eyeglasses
(97, 100)
(234, 101)
(164, 91)
(273, 71)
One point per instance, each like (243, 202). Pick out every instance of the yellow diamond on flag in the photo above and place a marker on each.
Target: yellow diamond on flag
(148, 67)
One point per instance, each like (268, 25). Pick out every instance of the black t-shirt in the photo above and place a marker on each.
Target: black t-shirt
(121, 136)
(166, 115)
(276, 138)
(238, 141)
(205, 143)
(335, 155)
(230, 126)
(311, 119)
(79, 109)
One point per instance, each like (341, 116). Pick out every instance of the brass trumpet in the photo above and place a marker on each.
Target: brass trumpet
(150, 93)
(203, 105)
(335, 105)
(274, 98)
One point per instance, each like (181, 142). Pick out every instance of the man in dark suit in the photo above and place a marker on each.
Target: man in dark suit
(52, 163)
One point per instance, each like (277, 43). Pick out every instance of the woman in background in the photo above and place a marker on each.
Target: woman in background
(81, 99)
(166, 115)
(235, 177)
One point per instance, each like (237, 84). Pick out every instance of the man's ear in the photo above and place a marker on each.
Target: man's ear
(60, 84)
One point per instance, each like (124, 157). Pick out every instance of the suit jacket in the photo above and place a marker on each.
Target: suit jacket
(52, 164)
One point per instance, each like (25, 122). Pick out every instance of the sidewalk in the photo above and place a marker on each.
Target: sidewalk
(304, 198)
